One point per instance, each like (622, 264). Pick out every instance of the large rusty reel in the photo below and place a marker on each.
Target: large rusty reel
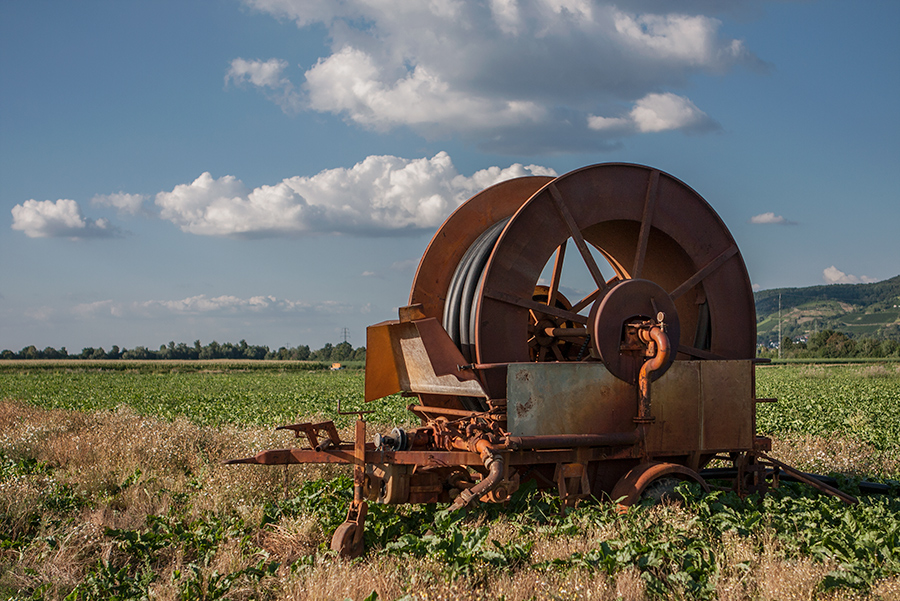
(649, 226)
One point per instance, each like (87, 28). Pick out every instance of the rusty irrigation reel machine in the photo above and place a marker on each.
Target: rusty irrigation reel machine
(642, 382)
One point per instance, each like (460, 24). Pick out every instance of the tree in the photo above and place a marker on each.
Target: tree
(832, 344)
(324, 353)
(138, 352)
(256, 352)
(210, 351)
(342, 351)
(52, 353)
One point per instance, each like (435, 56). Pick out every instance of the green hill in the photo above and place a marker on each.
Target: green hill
(859, 310)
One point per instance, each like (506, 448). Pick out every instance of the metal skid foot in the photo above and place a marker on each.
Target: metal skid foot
(348, 540)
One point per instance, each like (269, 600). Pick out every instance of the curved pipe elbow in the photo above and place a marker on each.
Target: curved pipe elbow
(494, 463)
(657, 336)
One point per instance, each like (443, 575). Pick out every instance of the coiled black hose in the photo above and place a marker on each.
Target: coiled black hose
(459, 308)
(461, 302)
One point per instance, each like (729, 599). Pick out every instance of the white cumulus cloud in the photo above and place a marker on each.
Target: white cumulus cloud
(381, 194)
(678, 38)
(655, 113)
(770, 218)
(60, 219)
(524, 75)
(210, 305)
(833, 275)
(129, 204)
(269, 76)
(348, 82)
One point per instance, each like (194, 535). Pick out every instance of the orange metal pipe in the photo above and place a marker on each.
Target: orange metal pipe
(657, 336)
(493, 461)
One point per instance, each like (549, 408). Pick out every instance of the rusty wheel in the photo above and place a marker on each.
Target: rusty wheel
(348, 540)
(662, 490)
(342, 542)
(654, 482)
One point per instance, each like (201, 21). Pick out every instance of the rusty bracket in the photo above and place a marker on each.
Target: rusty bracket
(312, 434)
(572, 474)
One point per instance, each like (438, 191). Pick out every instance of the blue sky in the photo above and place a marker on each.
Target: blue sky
(272, 170)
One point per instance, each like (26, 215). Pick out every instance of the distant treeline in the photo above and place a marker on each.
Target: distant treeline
(343, 351)
(831, 344)
(827, 344)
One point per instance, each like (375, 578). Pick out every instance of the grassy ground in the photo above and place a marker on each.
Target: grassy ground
(104, 495)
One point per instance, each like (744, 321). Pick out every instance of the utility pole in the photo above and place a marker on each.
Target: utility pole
(780, 339)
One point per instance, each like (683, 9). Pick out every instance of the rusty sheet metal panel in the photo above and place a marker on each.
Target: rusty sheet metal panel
(382, 373)
(415, 356)
(420, 372)
(400, 362)
(567, 398)
(444, 356)
(698, 405)
(702, 406)
(397, 360)
(675, 403)
(728, 402)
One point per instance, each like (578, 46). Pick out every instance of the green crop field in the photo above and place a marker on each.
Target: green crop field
(261, 397)
(112, 487)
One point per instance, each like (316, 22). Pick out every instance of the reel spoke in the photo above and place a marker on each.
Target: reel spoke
(646, 220)
(578, 237)
(534, 306)
(705, 271)
(587, 300)
(557, 273)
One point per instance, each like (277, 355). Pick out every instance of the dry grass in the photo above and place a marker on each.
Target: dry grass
(835, 453)
(131, 467)
(96, 453)
(814, 370)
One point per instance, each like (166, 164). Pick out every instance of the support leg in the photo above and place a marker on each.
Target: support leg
(348, 540)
